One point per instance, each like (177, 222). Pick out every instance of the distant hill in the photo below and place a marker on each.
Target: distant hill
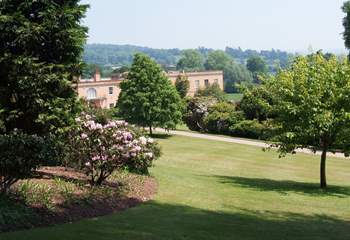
(119, 55)
(108, 54)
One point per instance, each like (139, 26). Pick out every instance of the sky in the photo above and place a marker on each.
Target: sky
(292, 25)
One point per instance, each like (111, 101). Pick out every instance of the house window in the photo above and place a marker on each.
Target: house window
(196, 85)
(91, 93)
(206, 83)
(111, 105)
(110, 90)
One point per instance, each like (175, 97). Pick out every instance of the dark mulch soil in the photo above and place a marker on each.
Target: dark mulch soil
(122, 191)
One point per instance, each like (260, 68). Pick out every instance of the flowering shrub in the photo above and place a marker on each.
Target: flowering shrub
(100, 149)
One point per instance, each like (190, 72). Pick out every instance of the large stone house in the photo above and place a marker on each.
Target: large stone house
(104, 92)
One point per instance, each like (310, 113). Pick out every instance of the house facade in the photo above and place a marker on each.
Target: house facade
(104, 92)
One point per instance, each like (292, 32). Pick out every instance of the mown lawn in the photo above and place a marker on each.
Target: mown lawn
(215, 190)
(236, 97)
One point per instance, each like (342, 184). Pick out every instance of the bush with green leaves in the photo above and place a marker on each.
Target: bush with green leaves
(182, 85)
(212, 90)
(248, 129)
(221, 116)
(20, 156)
(257, 103)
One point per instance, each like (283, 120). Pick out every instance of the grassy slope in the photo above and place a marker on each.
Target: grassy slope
(215, 190)
(234, 97)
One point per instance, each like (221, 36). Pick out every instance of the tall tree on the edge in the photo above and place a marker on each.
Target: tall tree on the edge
(41, 44)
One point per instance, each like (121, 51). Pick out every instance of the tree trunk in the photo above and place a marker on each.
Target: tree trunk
(150, 130)
(323, 179)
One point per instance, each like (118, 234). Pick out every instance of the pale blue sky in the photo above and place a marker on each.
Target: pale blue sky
(291, 25)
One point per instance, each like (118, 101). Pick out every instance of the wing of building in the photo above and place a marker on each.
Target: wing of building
(104, 92)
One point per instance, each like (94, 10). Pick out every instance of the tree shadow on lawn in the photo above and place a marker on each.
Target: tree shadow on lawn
(283, 186)
(157, 221)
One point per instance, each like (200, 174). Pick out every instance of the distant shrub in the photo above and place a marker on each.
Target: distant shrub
(20, 156)
(182, 85)
(220, 117)
(196, 111)
(212, 90)
(100, 149)
(256, 103)
(248, 129)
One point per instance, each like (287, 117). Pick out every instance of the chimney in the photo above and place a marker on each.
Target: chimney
(97, 75)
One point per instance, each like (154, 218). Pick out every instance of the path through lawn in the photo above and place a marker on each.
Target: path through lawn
(217, 190)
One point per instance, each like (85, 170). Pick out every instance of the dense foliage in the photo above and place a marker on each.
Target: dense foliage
(196, 111)
(212, 90)
(256, 103)
(119, 55)
(100, 149)
(41, 43)
(108, 54)
(275, 59)
(208, 114)
(221, 117)
(192, 60)
(148, 98)
(182, 85)
(311, 101)
(257, 66)
(20, 155)
(234, 74)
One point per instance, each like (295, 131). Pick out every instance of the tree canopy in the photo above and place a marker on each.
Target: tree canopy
(311, 102)
(147, 97)
(233, 73)
(192, 60)
(257, 65)
(41, 45)
(256, 103)
(106, 55)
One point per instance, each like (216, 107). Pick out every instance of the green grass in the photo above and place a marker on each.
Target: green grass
(234, 97)
(215, 190)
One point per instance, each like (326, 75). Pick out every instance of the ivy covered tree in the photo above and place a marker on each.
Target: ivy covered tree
(148, 98)
(311, 102)
(41, 44)
(182, 85)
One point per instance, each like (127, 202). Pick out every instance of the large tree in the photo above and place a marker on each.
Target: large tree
(41, 44)
(192, 60)
(147, 97)
(257, 66)
(234, 74)
(311, 102)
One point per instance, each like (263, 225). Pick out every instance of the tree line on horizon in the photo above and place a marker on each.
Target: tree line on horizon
(114, 54)
(239, 66)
